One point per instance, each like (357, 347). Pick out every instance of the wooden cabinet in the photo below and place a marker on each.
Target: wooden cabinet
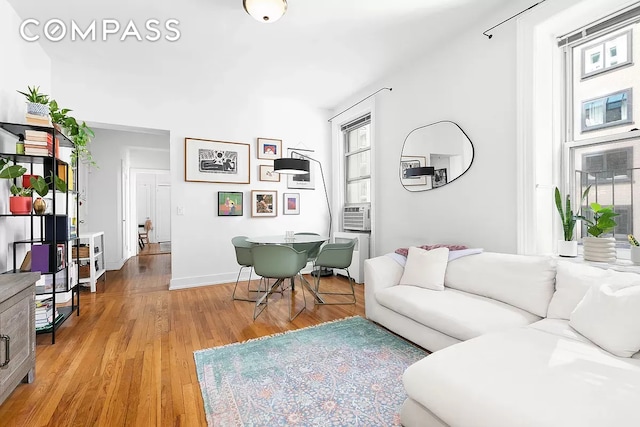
(17, 330)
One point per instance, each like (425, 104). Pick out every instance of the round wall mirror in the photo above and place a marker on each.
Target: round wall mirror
(434, 155)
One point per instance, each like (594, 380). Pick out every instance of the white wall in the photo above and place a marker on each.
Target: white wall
(201, 241)
(24, 64)
(110, 150)
(470, 80)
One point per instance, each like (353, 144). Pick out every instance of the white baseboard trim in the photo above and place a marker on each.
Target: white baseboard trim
(115, 265)
(213, 279)
(218, 279)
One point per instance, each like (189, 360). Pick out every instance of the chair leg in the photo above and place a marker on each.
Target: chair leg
(352, 293)
(248, 286)
(261, 303)
(293, 301)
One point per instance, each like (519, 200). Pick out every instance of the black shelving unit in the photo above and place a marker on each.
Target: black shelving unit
(50, 165)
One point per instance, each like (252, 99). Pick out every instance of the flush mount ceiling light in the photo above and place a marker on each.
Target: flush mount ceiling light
(265, 10)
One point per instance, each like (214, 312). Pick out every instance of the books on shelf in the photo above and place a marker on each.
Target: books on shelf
(45, 313)
(26, 262)
(33, 119)
(39, 143)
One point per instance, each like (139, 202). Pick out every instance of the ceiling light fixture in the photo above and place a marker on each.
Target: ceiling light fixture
(265, 10)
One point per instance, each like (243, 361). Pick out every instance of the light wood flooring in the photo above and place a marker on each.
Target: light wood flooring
(127, 360)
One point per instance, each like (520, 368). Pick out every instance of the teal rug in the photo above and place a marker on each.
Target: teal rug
(342, 373)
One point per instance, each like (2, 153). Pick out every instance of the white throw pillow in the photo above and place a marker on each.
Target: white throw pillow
(426, 269)
(609, 315)
(573, 280)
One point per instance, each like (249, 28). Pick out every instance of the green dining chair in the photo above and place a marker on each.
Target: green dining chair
(312, 248)
(335, 255)
(278, 262)
(245, 259)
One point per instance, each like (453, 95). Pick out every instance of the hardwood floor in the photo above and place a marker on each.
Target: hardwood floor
(127, 360)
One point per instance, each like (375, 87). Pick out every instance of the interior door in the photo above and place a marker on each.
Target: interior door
(163, 213)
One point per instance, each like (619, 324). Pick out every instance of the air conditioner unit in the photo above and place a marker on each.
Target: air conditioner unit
(357, 217)
(360, 253)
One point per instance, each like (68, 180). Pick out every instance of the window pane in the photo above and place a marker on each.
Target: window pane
(613, 172)
(359, 191)
(358, 165)
(358, 138)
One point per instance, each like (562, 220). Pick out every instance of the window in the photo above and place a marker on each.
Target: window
(610, 110)
(357, 139)
(606, 53)
(602, 140)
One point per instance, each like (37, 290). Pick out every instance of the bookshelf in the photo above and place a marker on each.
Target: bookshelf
(51, 235)
(92, 260)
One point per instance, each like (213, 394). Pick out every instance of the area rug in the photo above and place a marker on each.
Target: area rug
(342, 373)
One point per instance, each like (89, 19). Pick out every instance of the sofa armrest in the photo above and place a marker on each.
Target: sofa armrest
(379, 273)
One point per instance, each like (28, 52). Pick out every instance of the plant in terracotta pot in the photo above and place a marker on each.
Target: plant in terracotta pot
(41, 186)
(20, 199)
(568, 247)
(37, 103)
(596, 247)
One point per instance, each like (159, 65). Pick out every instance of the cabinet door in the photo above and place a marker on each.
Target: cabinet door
(15, 322)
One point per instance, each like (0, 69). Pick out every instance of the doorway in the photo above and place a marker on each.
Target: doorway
(151, 211)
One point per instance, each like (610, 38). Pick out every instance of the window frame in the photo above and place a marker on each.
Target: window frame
(361, 121)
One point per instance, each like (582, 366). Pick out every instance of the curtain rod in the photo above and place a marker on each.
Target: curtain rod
(361, 101)
(509, 19)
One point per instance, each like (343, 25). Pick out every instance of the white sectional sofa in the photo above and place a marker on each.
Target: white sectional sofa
(504, 352)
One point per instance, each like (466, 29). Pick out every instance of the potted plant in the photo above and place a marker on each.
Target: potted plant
(634, 249)
(568, 247)
(20, 202)
(41, 186)
(596, 247)
(79, 133)
(37, 103)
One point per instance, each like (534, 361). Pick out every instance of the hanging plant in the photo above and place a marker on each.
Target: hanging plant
(79, 133)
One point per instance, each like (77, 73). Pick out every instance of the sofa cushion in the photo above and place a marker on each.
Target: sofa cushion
(527, 377)
(526, 282)
(425, 268)
(458, 314)
(609, 315)
(572, 283)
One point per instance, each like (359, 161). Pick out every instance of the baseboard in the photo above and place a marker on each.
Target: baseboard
(213, 279)
(115, 265)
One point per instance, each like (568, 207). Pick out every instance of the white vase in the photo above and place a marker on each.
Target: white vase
(568, 248)
(635, 255)
(599, 249)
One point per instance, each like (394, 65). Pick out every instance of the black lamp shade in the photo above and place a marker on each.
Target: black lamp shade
(291, 166)
(421, 171)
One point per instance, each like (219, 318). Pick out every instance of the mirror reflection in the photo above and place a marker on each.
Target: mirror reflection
(434, 155)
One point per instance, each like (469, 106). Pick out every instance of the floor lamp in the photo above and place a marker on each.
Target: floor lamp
(301, 166)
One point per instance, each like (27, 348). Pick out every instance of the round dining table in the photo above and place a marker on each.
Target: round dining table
(284, 240)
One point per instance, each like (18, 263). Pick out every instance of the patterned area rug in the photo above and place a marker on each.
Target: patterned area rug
(342, 373)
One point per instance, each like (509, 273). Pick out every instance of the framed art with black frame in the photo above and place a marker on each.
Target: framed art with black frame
(230, 203)
(291, 204)
(216, 161)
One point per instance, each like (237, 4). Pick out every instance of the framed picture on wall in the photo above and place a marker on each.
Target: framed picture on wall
(291, 204)
(216, 161)
(439, 177)
(407, 162)
(263, 203)
(304, 181)
(267, 174)
(269, 149)
(230, 203)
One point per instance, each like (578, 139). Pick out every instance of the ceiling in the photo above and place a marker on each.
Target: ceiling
(320, 52)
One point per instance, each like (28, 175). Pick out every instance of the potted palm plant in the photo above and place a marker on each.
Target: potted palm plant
(37, 103)
(596, 247)
(568, 247)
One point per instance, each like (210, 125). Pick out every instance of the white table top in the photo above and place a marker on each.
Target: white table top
(282, 239)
